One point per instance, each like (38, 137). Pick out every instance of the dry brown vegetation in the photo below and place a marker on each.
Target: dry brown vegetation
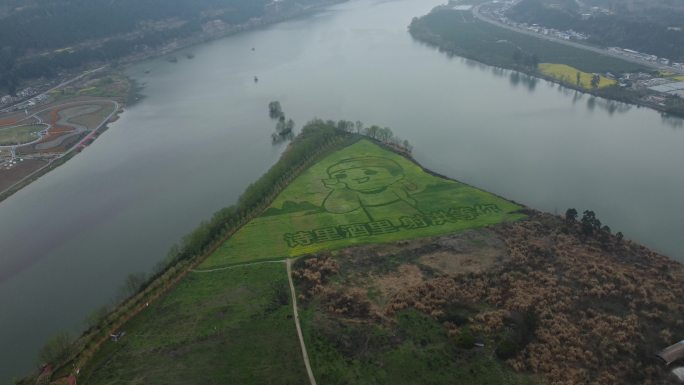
(569, 308)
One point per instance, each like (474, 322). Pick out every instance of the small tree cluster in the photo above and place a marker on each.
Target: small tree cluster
(57, 349)
(590, 226)
(381, 134)
(284, 127)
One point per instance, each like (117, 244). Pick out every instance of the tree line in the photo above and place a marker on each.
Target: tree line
(381, 134)
(317, 138)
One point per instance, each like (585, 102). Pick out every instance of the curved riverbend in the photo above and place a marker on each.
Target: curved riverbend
(202, 134)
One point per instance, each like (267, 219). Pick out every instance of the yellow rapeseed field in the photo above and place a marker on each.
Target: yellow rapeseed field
(568, 74)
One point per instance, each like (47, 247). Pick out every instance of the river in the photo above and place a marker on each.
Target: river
(201, 135)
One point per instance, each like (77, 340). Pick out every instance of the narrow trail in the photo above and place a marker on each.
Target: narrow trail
(236, 266)
(288, 264)
(312, 379)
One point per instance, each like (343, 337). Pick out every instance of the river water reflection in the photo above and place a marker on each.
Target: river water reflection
(201, 136)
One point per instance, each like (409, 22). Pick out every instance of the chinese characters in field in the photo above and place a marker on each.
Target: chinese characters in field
(386, 226)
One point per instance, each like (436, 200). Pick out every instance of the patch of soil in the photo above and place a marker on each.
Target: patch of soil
(18, 172)
(535, 290)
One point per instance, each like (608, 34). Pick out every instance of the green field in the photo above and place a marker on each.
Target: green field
(234, 324)
(231, 326)
(461, 33)
(361, 194)
(20, 134)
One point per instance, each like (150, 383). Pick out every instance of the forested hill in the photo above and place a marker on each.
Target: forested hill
(40, 37)
(49, 24)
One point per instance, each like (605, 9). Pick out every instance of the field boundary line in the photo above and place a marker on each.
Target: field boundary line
(312, 379)
(236, 266)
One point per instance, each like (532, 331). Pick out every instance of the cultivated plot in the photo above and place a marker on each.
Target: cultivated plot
(571, 75)
(361, 194)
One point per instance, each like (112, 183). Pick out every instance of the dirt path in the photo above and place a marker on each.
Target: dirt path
(288, 263)
(312, 379)
(236, 266)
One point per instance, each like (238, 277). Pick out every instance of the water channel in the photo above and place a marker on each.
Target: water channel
(201, 135)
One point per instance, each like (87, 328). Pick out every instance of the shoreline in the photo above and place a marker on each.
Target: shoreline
(70, 153)
(160, 285)
(427, 36)
(134, 94)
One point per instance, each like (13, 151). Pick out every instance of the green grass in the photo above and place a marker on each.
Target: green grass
(20, 134)
(460, 32)
(313, 213)
(413, 350)
(232, 326)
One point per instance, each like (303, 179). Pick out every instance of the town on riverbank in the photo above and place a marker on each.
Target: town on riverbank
(479, 30)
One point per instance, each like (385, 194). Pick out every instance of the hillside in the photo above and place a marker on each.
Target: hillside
(401, 277)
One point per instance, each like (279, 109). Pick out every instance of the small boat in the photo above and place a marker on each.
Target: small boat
(256, 79)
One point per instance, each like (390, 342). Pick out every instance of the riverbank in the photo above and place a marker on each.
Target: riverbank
(485, 311)
(82, 84)
(316, 141)
(460, 32)
(543, 147)
(74, 116)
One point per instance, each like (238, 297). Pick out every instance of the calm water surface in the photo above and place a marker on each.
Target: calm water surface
(201, 136)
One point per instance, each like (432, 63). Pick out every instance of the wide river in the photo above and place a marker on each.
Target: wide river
(201, 135)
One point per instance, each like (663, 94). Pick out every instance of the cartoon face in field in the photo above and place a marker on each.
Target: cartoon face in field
(368, 174)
